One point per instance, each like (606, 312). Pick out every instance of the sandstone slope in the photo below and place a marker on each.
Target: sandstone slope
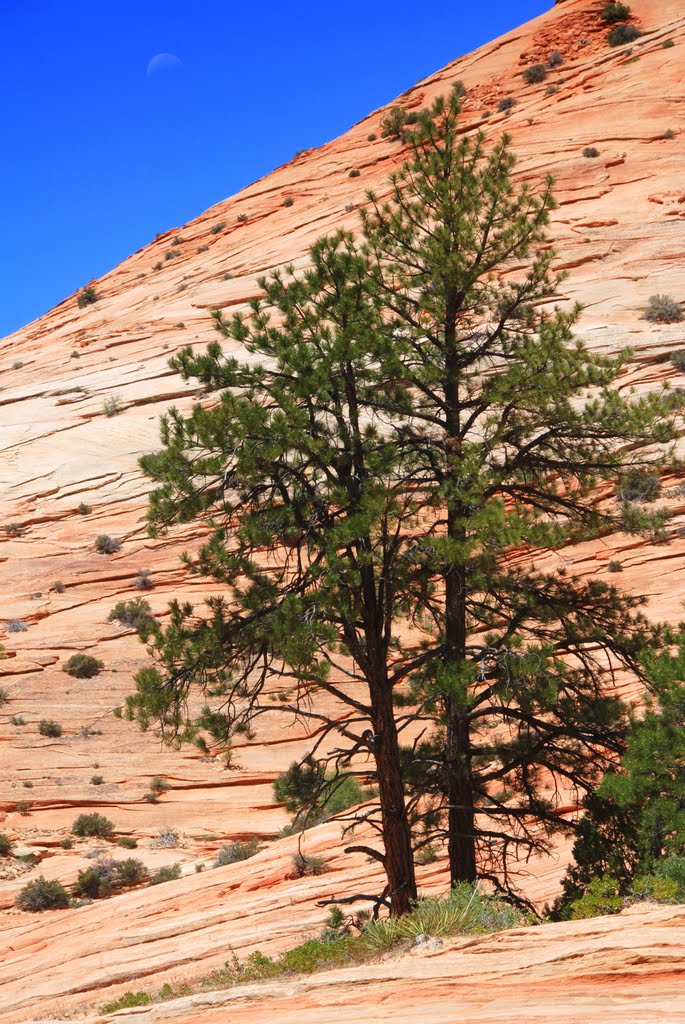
(618, 229)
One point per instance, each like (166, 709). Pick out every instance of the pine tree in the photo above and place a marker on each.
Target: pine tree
(389, 480)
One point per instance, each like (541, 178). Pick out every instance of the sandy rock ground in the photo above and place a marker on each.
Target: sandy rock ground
(619, 229)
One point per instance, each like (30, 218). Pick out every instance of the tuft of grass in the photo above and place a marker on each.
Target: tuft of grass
(4, 696)
(128, 1001)
(127, 842)
(13, 530)
(614, 566)
(83, 509)
(590, 152)
(305, 866)
(288, 201)
(97, 780)
(58, 587)
(232, 853)
(168, 873)
(216, 228)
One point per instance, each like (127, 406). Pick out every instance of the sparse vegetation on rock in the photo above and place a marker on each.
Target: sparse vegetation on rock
(622, 34)
(167, 873)
(5, 845)
(639, 485)
(135, 614)
(83, 666)
(48, 727)
(535, 74)
(590, 152)
(392, 123)
(42, 894)
(87, 296)
(93, 824)
(232, 853)
(614, 12)
(106, 545)
(663, 309)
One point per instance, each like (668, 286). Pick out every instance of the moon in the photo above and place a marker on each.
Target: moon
(163, 62)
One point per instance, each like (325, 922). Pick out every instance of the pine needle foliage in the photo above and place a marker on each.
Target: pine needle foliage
(414, 413)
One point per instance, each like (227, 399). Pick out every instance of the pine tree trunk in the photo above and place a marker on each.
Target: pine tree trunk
(461, 840)
(399, 858)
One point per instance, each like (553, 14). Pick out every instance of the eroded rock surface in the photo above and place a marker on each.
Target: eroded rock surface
(618, 229)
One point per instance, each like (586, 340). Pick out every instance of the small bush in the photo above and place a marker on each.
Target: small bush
(590, 151)
(158, 785)
(128, 1001)
(171, 254)
(216, 228)
(241, 218)
(47, 727)
(94, 883)
(16, 626)
(23, 807)
(641, 485)
(614, 566)
(17, 364)
(371, 137)
(169, 873)
(87, 296)
(622, 34)
(602, 896)
(97, 780)
(555, 59)
(288, 201)
(614, 12)
(58, 587)
(27, 784)
(426, 855)
(4, 696)
(83, 666)
(654, 889)
(93, 825)
(112, 406)
(17, 720)
(663, 309)
(667, 44)
(143, 580)
(354, 173)
(41, 894)
(506, 104)
(308, 865)
(106, 545)
(232, 853)
(13, 529)
(5, 845)
(131, 871)
(127, 842)
(67, 843)
(673, 868)
(135, 614)
(392, 123)
(83, 509)
(202, 248)
(535, 74)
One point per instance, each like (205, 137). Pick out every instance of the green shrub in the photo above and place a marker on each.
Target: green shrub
(622, 34)
(83, 666)
(506, 104)
(106, 545)
(41, 894)
(655, 889)
(232, 853)
(23, 807)
(5, 845)
(27, 784)
(107, 876)
(128, 1001)
(83, 509)
(372, 137)
(13, 529)
(354, 173)
(663, 309)
(640, 485)
(112, 405)
(168, 873)
(127, 842)
(555, 59)
(216, 228)
(143, 580)
(535, 74)
(158, 785)
(590, 152)
(17, 720)
(241, 218)
(614, 12)
(305, 788)
(308, 865)
(97, 780)
(4, 696)
(93, 825)
(426, 855)
(67, 843)
(58, 587)
(392, 123)
(135, 614)
(672, 868)
(667, 44)
(602, 896)
(614, 566)
(47, 727)
(87, 296)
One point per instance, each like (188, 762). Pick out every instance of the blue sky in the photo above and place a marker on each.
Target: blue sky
(99, 154)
